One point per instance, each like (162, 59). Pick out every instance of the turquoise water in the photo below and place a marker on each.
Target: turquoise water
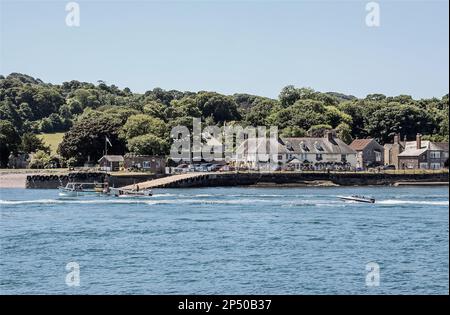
(226, 241)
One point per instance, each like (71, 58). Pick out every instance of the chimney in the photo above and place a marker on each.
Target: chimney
(418, 141)
(397, 138)
(330, 136)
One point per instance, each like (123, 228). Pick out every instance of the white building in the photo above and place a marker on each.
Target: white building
(299, 153)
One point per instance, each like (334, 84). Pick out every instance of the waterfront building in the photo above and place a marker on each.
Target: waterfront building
(152, 163)
(328, 152)
(423, 154)
(392, 150)
(369, 153)
(111, 162)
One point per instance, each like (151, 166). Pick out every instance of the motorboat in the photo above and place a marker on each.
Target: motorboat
(74, 189)
(358, 198)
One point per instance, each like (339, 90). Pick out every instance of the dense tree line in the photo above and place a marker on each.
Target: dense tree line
(141, 123)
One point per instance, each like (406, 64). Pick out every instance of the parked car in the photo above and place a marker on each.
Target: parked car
(196, 167)
(182, 168)
(389, 167)
(200, 168)
(208, 166)
(215, 167)
(227, 168)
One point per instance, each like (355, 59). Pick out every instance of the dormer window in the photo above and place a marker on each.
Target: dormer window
(303, 146)
(318, 146)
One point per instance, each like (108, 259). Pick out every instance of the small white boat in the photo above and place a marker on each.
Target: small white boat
(357, 198)
(74, 189)
(131, 192)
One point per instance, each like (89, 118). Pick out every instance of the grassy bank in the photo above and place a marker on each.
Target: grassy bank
(53, 140)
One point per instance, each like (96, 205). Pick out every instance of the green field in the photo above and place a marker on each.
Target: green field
(52, 140)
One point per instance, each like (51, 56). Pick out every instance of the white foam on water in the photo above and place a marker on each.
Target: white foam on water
(151, 201)
(412, 202)
(65, 201)
(164, 195)
(23, 202)
(129, 201)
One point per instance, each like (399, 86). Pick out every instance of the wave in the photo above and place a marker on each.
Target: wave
(67, 201)
(412, 202)
(129, 201)
(164, 195)
(235, 201)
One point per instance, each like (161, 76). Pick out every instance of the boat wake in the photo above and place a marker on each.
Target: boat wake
(412, 202)
(246, 201)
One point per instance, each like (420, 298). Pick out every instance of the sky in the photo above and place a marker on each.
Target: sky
(255, 47)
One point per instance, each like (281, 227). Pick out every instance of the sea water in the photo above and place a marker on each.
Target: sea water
(227, 241)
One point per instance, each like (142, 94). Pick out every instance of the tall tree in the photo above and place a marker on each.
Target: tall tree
(9, 141)
(87, 138)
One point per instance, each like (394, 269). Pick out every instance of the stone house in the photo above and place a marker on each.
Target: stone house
(392, 150)
(423, 154)
(369, 153)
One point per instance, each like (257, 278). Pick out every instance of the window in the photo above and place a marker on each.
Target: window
(435, 154)
(343, 158)
(318, 146)
(280, 157)
(303, 146)
(435, 166)
(319, 157)
(378, 156)
(146, 164)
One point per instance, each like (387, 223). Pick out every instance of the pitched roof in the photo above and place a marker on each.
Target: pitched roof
(257, 146)
(413, 152)
(424, 144)
(440, 146)
(411, 147)
(317, 146)
(360, 144)
(112, 158)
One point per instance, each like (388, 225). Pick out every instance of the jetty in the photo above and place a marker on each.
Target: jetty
(180, 180)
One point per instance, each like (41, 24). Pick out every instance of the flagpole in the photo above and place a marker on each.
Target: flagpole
(106, 147)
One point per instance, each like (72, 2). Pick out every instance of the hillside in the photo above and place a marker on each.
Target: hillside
(141, 123)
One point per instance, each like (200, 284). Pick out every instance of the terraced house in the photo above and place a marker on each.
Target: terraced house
(328, 152)
(318, 153)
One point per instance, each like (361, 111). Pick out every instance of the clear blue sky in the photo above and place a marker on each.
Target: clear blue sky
(242, 46)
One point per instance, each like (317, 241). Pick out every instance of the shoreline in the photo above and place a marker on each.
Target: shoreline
(18, 179)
